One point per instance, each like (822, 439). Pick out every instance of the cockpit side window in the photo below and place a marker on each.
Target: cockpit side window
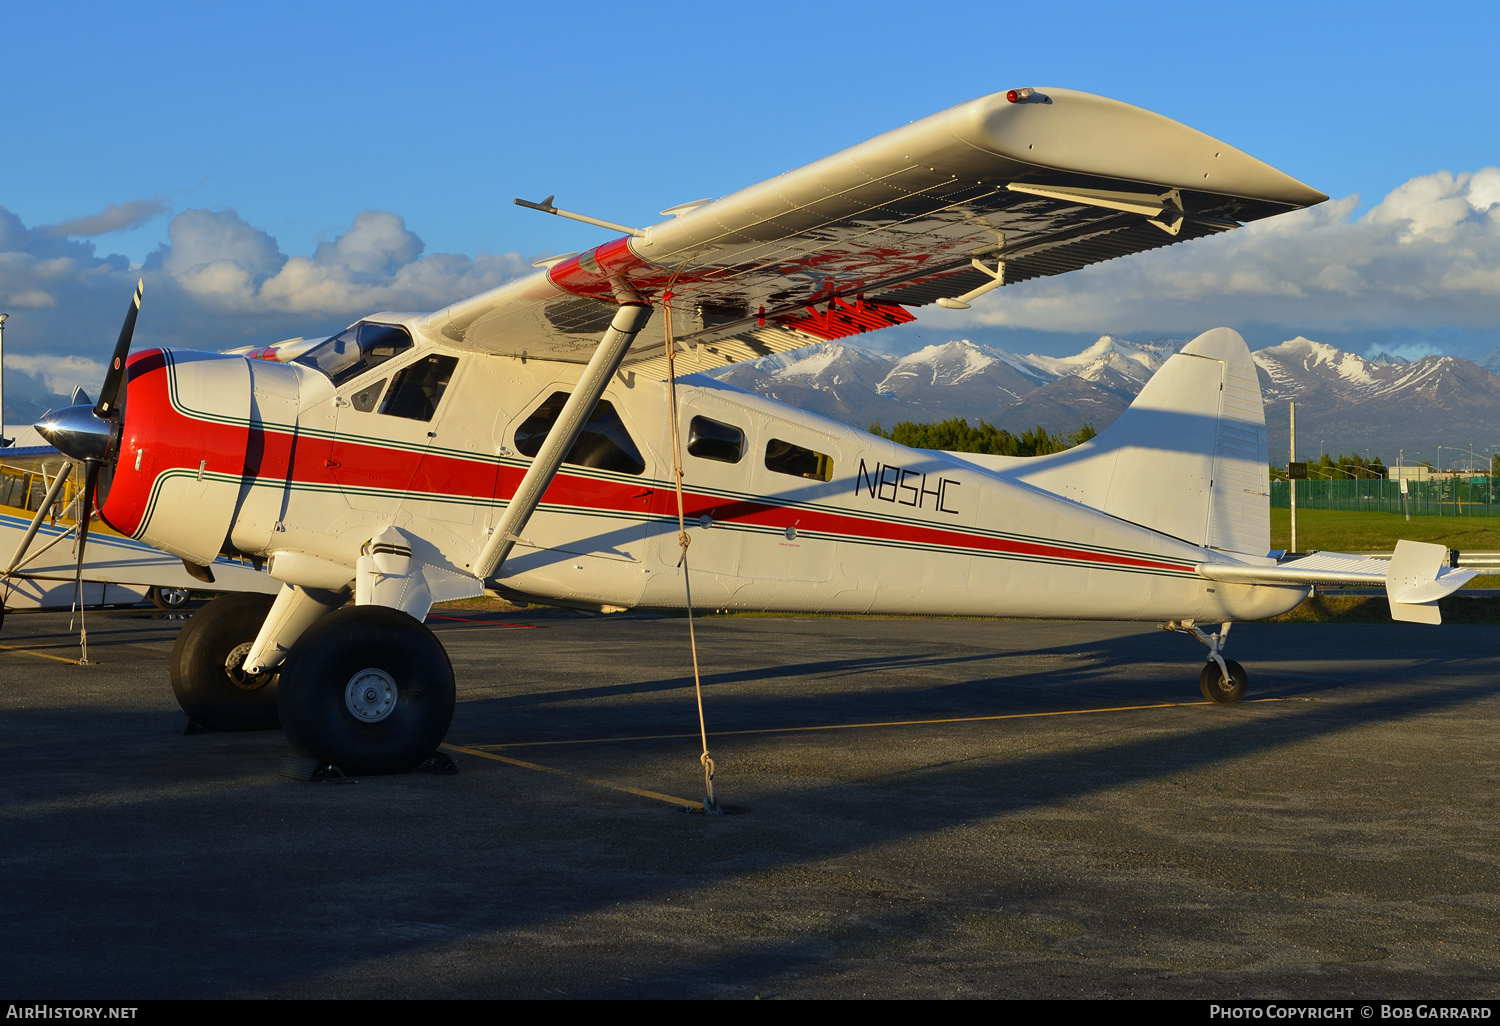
(355, 350)
(418, 388)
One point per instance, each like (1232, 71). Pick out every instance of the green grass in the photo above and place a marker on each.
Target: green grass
(1375, 609)
(1336, 530)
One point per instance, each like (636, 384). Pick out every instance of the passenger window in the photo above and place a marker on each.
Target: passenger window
(786, 458)
(418, 387)
(604, 443)
(365, 399)
(355, 350)
(710, 440)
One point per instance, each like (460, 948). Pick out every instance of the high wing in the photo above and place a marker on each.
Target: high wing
(1008, 187)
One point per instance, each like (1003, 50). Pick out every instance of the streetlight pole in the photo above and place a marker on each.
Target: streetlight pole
(1401, 477)
(3, 318)
(1291, 482)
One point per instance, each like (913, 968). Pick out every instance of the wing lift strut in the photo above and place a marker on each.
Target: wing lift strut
(627, 323)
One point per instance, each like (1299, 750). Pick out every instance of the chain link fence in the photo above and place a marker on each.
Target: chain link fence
(1467, 496)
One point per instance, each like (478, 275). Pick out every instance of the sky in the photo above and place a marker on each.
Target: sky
(280, 169)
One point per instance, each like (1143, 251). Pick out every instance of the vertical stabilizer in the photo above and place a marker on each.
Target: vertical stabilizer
(1188, 458)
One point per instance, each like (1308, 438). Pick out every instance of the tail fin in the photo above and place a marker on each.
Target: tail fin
(1188, 458)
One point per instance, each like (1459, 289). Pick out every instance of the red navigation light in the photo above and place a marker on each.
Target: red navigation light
(1017, 95)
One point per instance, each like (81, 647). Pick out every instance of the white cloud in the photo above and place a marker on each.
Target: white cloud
(201, 239)
(1428, 254)
(219, 281)
(60, 374)
(230, 266)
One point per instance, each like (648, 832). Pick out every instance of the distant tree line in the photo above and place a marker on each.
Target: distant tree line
(957, 435)
(1340, 468)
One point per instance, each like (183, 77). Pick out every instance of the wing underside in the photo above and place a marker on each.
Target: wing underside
(993, 190)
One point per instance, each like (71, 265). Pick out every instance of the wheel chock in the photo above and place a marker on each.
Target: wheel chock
(307, 770)
(440, 763)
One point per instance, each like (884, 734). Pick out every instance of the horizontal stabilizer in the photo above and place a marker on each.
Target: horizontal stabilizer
(1418, 577)
(1414, 578)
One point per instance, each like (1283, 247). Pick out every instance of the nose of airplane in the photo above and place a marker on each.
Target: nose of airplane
(78, 432)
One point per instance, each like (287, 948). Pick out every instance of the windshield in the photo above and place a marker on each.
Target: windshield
(355, 350)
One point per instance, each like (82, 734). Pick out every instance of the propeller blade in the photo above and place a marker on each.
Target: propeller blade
(114, 378)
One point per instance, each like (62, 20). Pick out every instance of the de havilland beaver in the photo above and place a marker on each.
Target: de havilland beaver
(521, 439)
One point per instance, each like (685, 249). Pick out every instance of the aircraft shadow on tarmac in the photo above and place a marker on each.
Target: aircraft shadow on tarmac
(1087, 671)
(849, 818)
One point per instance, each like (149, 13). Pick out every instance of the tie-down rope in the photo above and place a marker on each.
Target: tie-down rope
(710, 806)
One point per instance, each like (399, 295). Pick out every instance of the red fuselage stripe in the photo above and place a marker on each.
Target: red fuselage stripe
(172, 440)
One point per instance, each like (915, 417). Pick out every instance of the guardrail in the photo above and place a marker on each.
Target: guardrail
(1464, 560)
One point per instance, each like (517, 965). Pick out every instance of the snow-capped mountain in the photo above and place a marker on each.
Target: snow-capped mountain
(834, 380)
(957, 379)
(1344, 401)
(1110, 362)
(954, 377)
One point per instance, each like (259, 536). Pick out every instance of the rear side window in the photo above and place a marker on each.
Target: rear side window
(710, 440)
(788, 458)
(418, 387)
(355, 350)
(604, 444)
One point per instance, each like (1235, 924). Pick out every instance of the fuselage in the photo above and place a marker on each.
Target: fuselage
(278, 460)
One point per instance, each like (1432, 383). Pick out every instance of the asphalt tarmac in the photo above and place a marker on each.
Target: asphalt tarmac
(923, 808)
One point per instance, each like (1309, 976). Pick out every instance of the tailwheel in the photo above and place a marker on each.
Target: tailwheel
(168, 598)
(207, 666)
(367, 689)
(1211, 682)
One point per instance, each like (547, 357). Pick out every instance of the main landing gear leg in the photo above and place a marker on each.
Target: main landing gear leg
(1223, 680)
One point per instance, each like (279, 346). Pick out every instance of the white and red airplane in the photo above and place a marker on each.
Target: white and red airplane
(524, 437)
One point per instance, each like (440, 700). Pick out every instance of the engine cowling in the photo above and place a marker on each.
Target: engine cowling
(181, 467)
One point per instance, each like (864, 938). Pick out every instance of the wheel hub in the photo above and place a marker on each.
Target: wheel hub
(370, 695)
(234, 665)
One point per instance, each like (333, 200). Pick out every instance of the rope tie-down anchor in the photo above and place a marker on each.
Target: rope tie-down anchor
(710, 803)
